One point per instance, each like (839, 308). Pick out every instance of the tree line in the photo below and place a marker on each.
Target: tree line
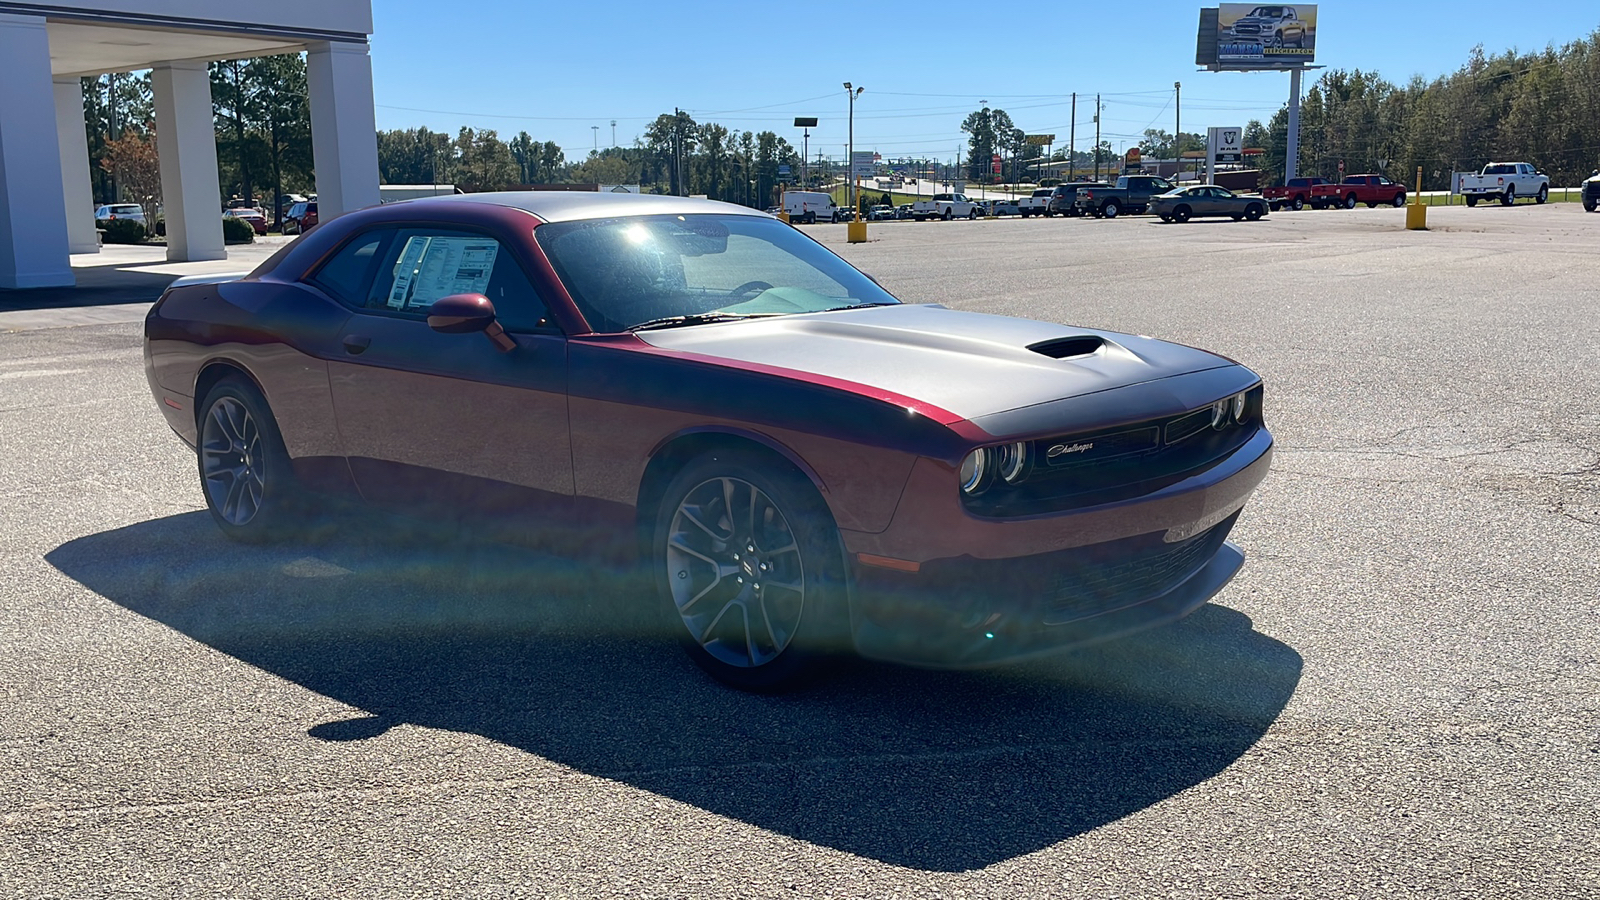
(1541, 107)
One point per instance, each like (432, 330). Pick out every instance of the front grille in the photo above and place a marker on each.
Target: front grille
(1129, 575)
(1093, 467)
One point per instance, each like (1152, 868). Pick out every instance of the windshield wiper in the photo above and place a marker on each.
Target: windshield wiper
(697, 319)
(858, 306)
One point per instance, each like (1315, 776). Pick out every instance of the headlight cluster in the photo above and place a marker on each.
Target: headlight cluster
(1228, 411)
(1010, 463)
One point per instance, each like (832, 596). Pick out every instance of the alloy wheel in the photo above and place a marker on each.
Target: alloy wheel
(735, 573)
(231, 461)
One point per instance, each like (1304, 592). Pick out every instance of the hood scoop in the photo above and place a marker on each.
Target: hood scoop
(1069, 347)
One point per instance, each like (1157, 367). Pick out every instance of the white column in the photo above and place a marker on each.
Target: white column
(344, 131)
(33, 221)
(186, 141)
(77, 189)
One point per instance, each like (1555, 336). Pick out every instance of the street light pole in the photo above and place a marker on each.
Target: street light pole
(596, 130)
(852, 92)
(613, 132)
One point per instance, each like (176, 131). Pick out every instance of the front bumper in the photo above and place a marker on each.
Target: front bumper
(986, 591)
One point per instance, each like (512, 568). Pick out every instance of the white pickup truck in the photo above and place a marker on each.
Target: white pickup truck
(1038, 204)
(1504, 182)
(946, 206)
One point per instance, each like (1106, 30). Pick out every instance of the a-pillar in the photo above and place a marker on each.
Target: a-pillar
(76, 188)
(344, 131)
(186, 141)
(33, 221)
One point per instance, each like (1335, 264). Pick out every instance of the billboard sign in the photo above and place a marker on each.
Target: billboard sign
(1265, 36)
(1039, 140)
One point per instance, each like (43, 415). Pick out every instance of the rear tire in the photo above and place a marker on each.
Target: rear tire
(1111, 210)
(948, 215)
(1590, 205)
(1298, 204)
(1350, 201)
(1166, 218)
(1472, 200)
(1510, 196)
(750, 570)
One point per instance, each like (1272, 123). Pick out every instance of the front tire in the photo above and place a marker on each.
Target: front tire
(245, 473)
(1543, 195)
(750, 567)
(1253, 212)
(1181, 214)
(1399, 200)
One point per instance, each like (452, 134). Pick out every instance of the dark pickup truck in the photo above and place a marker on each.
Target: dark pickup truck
(1295, 195)
(1131, 195)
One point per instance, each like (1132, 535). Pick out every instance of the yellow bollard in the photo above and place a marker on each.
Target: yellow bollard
(783, 217)
(856, 232)
(1416, 213)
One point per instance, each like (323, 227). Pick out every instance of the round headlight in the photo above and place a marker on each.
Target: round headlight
(1238, 407)
(1012, 464)
(1219, 414)
(974, 471)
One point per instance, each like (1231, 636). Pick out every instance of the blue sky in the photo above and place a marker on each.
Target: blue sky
(559, 70)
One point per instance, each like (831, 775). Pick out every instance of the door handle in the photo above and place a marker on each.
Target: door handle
(355, 343)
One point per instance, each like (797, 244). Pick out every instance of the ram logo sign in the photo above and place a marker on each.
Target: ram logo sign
(1253, 36)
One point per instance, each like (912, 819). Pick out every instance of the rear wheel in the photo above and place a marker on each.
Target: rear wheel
(1590, 205)
(1510, 196)
(1472, 200)
(811, 218)
(245, 472)
(948, 215)
(1165, 217)
(1181, 214)
(1298, 204)
(1111, 210)
(1350, 201)
(748, 562)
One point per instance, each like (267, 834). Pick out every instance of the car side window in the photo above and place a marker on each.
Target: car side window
(423, 265)
(347, 274)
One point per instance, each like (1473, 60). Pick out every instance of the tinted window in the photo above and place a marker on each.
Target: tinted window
(348, 273)
(423, 265)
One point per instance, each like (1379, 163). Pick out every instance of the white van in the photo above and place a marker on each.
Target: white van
(809, 206)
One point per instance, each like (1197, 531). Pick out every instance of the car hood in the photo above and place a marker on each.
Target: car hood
(969, 364)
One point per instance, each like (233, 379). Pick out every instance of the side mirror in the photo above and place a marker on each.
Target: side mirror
(466, 313)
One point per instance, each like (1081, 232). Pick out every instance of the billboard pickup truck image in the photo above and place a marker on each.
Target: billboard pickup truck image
(1266, 36)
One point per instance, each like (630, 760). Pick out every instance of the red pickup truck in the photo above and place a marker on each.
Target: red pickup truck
(1295, 195)
(1369, 189)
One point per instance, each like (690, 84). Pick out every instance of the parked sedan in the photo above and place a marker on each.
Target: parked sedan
(254, 217)
(1005, 207)
(111, 211)
(880, 213)
(1182, 204)
(801, 463)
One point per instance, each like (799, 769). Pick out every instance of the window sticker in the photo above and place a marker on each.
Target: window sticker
(430, 268)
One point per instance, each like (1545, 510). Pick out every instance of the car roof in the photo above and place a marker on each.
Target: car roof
(566, 206)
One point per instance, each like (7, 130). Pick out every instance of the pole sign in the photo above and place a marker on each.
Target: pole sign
(863, 163)
(1227, 144)
(1275, 36)
(783, 171)
(1039, 140)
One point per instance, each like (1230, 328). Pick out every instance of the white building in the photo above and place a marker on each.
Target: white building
(46, 210)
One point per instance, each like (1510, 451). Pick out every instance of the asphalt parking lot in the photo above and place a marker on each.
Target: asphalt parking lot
(1399, 696)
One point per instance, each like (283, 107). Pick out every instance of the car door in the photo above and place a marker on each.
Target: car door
(450, 420)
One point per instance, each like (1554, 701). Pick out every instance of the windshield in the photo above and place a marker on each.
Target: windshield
(628, 271)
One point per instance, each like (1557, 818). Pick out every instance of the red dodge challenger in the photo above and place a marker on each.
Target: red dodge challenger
(801, 462)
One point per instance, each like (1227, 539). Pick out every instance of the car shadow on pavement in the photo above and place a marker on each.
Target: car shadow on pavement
(946, 771)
